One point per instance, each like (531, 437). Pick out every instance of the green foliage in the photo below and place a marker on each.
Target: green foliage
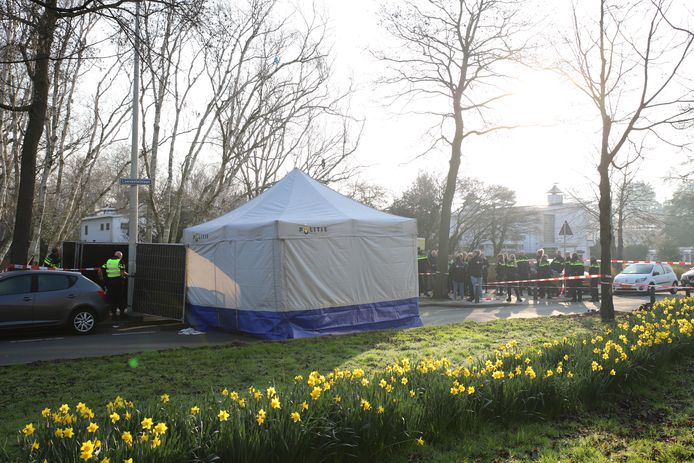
(635, 252)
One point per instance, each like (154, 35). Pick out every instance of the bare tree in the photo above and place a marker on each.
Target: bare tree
(40, 19)
(453, 52)
(628, 63)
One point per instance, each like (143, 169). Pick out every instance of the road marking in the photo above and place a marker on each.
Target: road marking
(35, 340)
(129, 334)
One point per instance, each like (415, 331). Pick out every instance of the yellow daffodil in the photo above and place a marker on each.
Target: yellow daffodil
(64, 408)
(164, 398)
(612, 372)
(35, 445)
(156, 442)
(147, 423)
(403, 380)
(380, 410)
(93, 427)
(129, 460)
(260, 417)
(127, 438)
(296, 417)
(225, 392)
(242, 403)
(420, 442)
(105, 460)
(160, 428)
(46, 412)
(304, 406)
(68, 433)
(234, 396)
(365, 405)
(412, 393)
(338, 399)
(87, 450)
(470, 390)
(114, 417)
(315, 393)
(223, 415)
(364, 382)
(29, 429)
(271, 392)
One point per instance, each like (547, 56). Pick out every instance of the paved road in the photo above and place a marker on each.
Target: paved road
(52, 345)
(46, 345)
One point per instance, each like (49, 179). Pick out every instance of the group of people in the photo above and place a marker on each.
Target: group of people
(468, 275)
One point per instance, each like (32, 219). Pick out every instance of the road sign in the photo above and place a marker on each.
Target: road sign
(565, 230)
(135, 181)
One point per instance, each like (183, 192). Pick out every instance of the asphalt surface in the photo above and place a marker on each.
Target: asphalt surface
(157, 334)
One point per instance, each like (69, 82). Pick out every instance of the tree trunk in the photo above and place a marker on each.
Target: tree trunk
(32, 135)
(620, 234)
(605, 206)
(441, 280)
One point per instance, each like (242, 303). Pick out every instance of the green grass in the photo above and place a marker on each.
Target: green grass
(652, 421)
(189, 372)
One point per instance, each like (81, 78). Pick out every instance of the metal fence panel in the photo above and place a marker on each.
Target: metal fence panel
(160, 280)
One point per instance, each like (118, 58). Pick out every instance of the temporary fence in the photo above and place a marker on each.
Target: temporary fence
(159, 281)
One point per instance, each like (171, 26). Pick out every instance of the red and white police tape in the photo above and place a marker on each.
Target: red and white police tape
(38, 267)
(539, 280)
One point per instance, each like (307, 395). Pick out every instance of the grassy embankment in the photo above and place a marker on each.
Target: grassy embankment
(651, 419)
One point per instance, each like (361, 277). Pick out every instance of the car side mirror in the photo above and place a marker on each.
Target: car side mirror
(655, 274)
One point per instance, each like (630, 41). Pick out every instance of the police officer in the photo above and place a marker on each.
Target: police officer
(500, 273)
(556, 267)
(115, 283)
(523, 272)
(576, 269)
(594, 269)
(511, 275)
(52, 259)
(544, 271)
(423, 270)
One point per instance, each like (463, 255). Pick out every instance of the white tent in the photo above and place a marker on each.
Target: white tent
(302, 260)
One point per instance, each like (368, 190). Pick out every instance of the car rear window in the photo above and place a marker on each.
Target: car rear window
(15, 285)
(55, 282)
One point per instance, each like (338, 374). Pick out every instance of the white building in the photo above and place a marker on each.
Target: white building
(548, 221)
(105, 226)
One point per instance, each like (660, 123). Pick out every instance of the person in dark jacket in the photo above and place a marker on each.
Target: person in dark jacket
(594, 269)
(500, 273)
(576, 269)
(459, 275)
(52, 259)
(476, 270)
(544, 271)
(512, 275)
(557, 267)
(423, 270)
(523, 272)
(485, 271)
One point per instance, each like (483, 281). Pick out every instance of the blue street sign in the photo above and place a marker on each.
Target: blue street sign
(135, 181)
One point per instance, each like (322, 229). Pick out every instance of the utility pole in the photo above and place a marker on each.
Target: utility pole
(134, 222)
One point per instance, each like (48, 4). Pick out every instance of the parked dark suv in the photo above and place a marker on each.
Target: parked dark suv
(50, 297)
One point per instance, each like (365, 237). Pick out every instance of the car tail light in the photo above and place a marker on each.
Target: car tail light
(101, 294)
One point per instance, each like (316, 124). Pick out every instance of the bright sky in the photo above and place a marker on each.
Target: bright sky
(561, 148)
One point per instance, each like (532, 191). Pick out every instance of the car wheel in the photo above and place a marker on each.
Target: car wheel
(83, 321)
(673, 291)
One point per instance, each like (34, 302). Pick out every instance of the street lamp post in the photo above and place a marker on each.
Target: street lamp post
(133, 225)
